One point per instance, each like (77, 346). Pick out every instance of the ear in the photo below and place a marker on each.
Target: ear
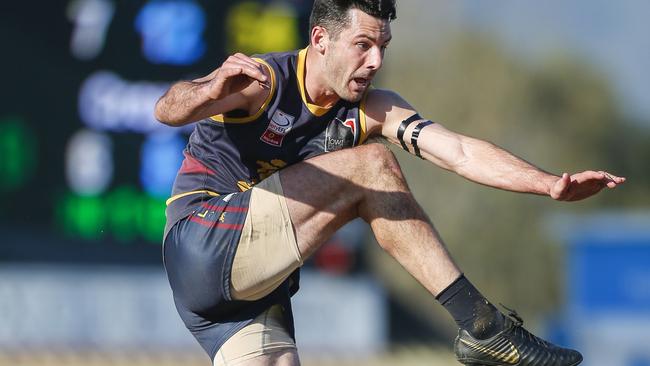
(319, 38)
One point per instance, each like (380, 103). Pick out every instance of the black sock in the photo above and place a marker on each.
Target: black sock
(470, 309)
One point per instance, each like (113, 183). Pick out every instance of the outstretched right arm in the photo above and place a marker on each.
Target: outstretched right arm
(240, 83)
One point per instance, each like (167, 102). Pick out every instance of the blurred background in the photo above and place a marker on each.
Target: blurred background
(85, 170)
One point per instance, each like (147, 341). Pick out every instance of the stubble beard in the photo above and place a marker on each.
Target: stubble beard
(342, 89)
(340, 82)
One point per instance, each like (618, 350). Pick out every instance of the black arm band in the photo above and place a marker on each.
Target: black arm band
(416, 134)
(402, 127)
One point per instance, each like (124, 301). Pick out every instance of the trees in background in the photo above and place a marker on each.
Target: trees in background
(557, 112)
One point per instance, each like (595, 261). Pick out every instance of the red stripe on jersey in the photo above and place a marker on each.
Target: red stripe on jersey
(216, 224)
(225, 208)
(192, 166)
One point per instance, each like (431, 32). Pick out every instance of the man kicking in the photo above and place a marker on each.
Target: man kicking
(276, 164)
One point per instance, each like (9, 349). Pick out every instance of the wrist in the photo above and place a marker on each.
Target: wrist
(547, 184)
(204, 91)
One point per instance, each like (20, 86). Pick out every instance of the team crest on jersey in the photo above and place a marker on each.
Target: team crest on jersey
(340, 134)
(279, 126)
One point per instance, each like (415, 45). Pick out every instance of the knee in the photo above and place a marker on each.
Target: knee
(378, 160)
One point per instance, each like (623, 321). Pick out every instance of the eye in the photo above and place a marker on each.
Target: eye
(363, 45)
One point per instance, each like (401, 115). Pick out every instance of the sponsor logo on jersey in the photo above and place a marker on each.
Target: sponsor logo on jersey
(279, 126)
(243, 186)
(340, 134)
(266, 168)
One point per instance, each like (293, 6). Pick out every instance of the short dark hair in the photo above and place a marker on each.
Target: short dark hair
(333, 14)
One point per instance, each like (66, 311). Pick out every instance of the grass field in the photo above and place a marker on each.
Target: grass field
(403, 356)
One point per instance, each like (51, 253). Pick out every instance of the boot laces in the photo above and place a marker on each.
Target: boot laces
(512, 314)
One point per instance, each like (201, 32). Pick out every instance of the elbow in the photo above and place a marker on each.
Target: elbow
(162, 116)
(166, 121)
(159, 114)
(459, 160)
(459, 165)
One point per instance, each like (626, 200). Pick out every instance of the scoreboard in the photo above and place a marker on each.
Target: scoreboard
(85, 168)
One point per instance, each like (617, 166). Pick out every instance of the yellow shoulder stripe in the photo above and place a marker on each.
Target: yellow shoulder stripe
(222, 118)
(173, 198)
(363, 135)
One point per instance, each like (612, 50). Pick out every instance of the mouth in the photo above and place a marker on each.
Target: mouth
(361, 83)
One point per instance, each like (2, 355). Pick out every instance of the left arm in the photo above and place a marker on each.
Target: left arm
(478, 160)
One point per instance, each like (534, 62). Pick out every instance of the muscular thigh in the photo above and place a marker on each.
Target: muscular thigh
(296, 210)
(264, 342)
(280, 358)
(323, 193)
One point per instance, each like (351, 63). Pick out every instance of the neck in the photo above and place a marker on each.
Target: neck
(316, 89)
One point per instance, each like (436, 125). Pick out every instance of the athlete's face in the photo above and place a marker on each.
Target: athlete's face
(356, 55)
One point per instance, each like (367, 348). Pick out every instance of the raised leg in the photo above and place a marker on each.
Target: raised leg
(327, 191)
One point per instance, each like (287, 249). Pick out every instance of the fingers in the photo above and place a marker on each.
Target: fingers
(589, 175)
(246, 66)
(605, 178)
(612, 180)
(207, 77)
(583, 185)
(234, 75)
(235, 65)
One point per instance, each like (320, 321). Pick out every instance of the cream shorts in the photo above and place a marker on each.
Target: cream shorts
(266, 255)
(267, 252)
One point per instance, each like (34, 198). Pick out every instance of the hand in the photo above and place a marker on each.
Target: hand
(583, 185)
(235, 74)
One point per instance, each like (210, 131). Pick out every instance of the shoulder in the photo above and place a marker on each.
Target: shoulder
(277, 67)
(249, 103)
(385, 106)
(382, 98)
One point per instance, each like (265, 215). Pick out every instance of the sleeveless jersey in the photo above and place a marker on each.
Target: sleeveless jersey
(230, 153)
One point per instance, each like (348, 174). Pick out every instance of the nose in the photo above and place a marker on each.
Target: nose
(375, 58)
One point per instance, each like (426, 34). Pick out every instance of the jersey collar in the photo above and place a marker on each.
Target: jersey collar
(300, 74)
